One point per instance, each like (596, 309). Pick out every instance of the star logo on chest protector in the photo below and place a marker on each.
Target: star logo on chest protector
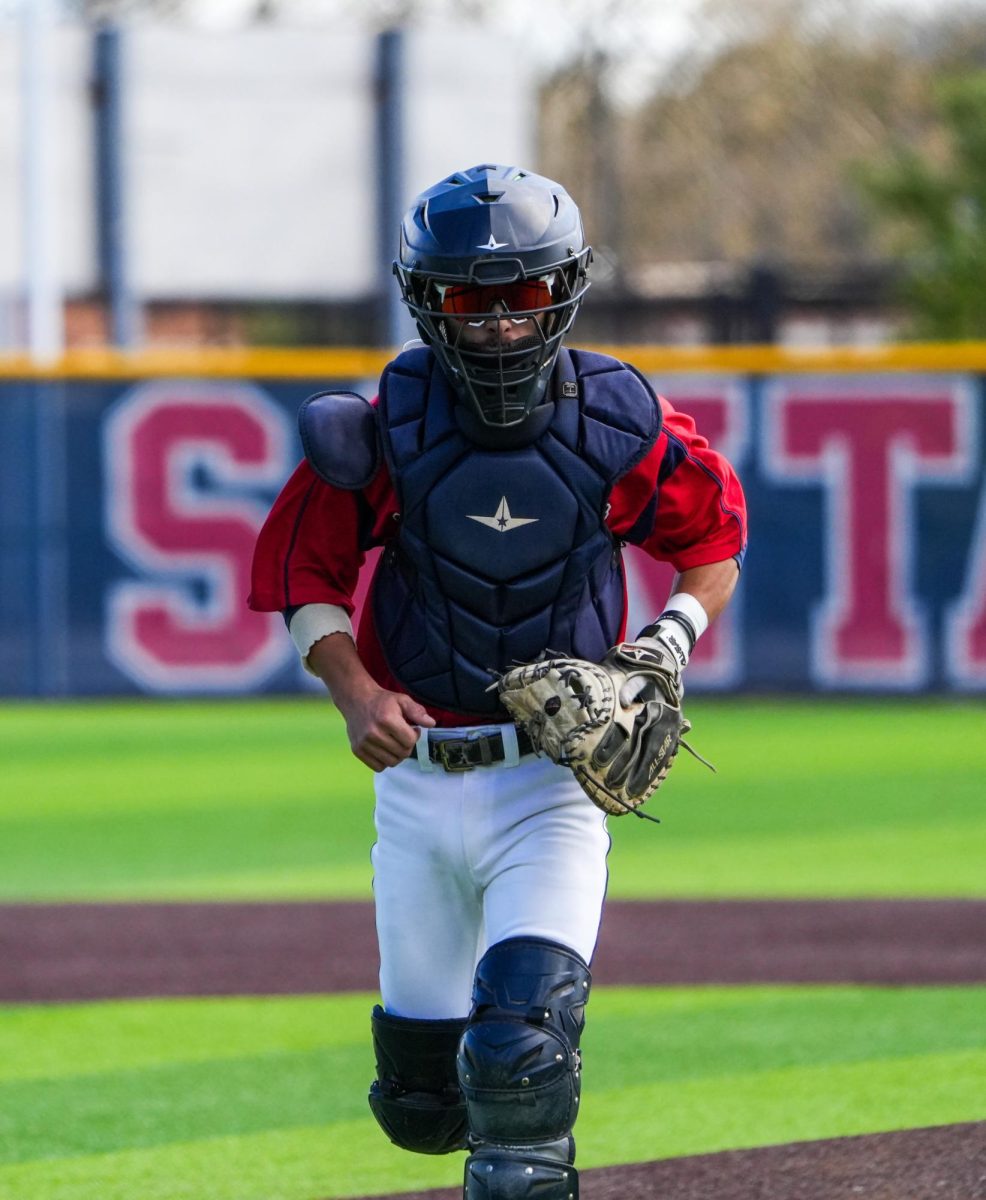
(501, 520)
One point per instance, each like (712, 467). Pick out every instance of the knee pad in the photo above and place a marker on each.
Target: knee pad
(415, 1097)
(519, 1064)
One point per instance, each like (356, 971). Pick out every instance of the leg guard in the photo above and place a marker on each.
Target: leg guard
(544, 1172)
(520, 1070)
(415, 1097)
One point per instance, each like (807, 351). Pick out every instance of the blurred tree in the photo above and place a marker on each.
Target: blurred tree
(937, 203)
(744, 148)
(741, 153)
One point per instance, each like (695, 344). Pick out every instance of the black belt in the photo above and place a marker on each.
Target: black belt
(478, 750)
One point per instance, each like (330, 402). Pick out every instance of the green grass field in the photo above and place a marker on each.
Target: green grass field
(264, 1098)
(263, 800)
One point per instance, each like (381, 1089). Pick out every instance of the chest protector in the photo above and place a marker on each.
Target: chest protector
(503, 554)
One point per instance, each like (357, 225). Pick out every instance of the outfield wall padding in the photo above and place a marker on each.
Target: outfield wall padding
(133, 489)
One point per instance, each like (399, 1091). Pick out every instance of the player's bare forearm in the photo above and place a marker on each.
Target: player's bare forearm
(336, 661)
(712, 585)
(381, 724)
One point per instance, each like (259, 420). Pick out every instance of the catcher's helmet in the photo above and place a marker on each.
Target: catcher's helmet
(489, 248)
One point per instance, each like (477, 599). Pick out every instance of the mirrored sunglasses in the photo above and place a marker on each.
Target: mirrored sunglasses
(470, 299)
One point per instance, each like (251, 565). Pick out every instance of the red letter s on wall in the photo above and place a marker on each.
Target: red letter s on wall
(181, 460)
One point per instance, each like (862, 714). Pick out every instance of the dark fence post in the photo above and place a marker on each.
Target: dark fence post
(111, 211)
(394, 323)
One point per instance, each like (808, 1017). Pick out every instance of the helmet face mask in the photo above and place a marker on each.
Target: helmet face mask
(493, 266)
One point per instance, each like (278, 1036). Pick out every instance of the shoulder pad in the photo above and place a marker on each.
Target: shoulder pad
(339, 436)
(653, 396)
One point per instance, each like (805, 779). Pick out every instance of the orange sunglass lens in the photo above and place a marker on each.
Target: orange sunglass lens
(515, 297)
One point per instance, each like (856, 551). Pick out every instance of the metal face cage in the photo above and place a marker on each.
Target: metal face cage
(498, 356)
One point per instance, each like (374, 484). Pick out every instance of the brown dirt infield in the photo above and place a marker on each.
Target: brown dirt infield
(945, 1163)
(61, 952)
(68, 952)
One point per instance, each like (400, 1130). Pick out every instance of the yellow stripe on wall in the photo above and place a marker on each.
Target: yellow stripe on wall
(354, 362)
(209, 362)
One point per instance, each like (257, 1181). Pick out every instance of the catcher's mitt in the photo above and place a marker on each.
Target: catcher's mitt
(617, 724)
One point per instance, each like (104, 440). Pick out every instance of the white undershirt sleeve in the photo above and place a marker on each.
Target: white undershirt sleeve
(315, 621)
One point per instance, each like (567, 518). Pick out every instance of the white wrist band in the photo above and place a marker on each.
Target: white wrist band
(679, 626)
(691, 608)
(315, 621)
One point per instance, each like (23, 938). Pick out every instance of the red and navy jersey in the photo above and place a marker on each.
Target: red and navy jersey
(682, 504)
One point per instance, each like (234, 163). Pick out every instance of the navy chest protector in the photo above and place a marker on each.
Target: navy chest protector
(503, 554)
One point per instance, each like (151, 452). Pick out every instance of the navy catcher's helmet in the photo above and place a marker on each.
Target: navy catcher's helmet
(486, 247)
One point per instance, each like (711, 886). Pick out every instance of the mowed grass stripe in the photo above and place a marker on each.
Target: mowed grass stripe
(773, 1107)
(262, 799)
(83, 758)
(157, 1105)
(161, 757)
(132, 1076)
(941, 858)
(48, 1042)
(351, 1157)
(774, 1026)
(294, 852)
(681, 1035)
(203, 854)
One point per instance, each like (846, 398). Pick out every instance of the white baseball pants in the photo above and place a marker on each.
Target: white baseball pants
(463, 860)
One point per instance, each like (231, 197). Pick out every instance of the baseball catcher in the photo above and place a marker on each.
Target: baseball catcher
(500, 472)
(617, 724)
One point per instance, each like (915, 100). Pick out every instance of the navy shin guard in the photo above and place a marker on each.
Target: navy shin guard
(520, 1071)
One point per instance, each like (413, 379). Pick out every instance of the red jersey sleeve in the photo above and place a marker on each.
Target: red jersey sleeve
(313, 543)
(683, 503)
